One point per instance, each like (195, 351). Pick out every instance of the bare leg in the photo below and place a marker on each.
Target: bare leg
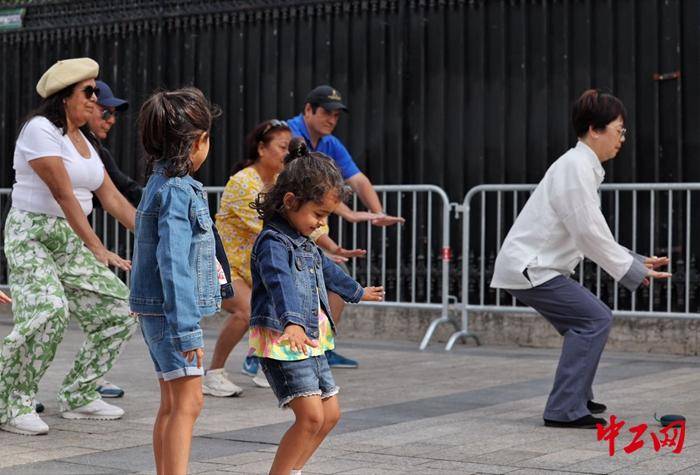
(161, 423)
(298, 438)
(235, 326)
(337, 305)
(187, 402)
(331, 416)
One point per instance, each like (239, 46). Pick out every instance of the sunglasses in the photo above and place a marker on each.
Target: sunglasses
(107, 114)
(90, 90)
(273, 124)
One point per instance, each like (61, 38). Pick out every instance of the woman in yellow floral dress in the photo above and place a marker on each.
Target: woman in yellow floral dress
(238, 224)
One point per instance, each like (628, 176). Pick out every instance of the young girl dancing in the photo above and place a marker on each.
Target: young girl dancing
(174, 275)
(291, 323)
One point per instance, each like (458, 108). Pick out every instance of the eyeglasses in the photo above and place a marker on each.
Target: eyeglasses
(621, 132)
(90, 90)
(273, 124)
(107, 114)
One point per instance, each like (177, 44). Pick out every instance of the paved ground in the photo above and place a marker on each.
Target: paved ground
(474, 410)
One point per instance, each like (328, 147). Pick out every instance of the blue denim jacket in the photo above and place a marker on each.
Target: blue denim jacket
(174, 269)
(290, 277)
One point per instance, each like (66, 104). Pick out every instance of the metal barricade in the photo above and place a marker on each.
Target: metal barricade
(410, 260)
(657, 220)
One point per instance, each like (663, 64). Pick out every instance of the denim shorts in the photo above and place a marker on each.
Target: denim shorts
(292, 379)
(169, 362)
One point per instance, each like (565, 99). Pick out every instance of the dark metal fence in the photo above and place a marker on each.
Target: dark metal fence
(454, 93)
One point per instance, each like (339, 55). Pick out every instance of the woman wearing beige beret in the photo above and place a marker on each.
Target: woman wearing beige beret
(58, 267)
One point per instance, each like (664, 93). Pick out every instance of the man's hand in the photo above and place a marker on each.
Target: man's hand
(373, 294)
(296, 336)
(386, 220)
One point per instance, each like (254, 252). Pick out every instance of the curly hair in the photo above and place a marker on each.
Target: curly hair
(170, 122)
(309, 176)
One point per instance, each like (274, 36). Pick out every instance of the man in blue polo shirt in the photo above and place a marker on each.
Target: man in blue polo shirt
(316, 124)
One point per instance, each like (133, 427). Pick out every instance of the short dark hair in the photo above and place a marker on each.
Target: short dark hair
(310, 176)
(170, 122)
(595, 108)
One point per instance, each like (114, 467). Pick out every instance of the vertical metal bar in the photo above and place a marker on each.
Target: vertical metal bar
(384, 246)
(498, 237)
(669, 223)
(399, 227)
(482, 264)
(340, 231)
(369, 254)
(652, 215)
(634, 238)
(687, 251)
(429, 249)
(515, 216)
(413, 249)
(617, 238)
(354, 237)
(104, 229)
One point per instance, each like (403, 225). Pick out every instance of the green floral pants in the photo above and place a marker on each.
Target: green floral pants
(53, 276)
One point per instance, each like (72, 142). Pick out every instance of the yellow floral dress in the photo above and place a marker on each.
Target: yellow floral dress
(239, 225)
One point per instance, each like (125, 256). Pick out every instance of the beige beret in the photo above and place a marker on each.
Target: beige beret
(66, 72)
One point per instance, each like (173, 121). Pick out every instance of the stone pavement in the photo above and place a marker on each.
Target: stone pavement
(474, 410)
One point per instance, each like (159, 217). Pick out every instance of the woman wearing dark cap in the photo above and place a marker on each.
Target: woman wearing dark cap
(561, 224)
(58, 267)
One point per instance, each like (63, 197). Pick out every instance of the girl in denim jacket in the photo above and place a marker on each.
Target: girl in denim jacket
(174, 275)
(291, 323)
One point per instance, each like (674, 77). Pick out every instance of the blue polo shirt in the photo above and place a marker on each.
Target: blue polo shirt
(329, 145)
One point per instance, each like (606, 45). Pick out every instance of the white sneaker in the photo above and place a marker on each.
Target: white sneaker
(27, 424)
(260, 380)
(216, 383)
(97, 410)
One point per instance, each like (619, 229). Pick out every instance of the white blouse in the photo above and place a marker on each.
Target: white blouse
(40, 138)
(559, 225)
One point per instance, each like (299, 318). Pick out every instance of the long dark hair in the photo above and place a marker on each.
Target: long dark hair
(53, 109)
(308, 175)
(170, 122)
(263, 133)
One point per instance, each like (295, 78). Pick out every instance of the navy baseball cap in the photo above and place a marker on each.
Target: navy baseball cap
(106, 98)
(326, 97)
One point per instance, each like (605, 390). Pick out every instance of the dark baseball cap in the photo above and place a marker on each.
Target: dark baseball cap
(326, 97)
(106, 98)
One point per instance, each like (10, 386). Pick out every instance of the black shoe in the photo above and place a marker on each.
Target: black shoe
(38, 407)
(596, 408)
(585, 422)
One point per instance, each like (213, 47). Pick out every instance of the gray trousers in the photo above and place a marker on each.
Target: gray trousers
(584, 322)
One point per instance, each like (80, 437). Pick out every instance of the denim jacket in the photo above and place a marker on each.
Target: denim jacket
(174, 271)
(290, 278)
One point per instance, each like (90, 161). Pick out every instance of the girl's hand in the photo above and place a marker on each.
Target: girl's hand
(373, 294)
(110, 259)
(654, 262)
(4, 298)
(296, 336)
(655, 275)
(386, 220)
(189, 356)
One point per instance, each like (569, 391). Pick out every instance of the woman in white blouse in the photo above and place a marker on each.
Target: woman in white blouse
(559, 225)
(58, 267)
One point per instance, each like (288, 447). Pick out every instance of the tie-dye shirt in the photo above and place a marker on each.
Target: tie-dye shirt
(263, 342)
